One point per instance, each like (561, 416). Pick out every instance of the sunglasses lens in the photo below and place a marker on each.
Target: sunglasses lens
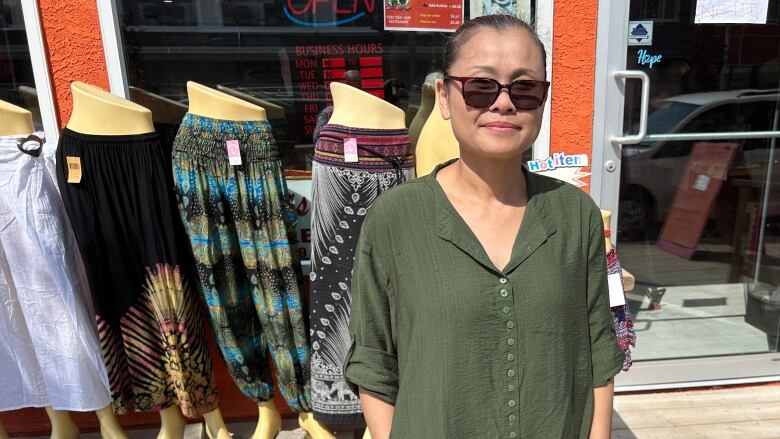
(527, 95)
(480, 93)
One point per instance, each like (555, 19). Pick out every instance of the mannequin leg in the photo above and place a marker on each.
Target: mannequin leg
(172, 423)
(314, 428)
(215, 425)
(109, 424)
(269, 422)
(62, 426)
(3, 433)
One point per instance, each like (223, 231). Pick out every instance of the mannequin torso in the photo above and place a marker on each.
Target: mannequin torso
(437, 143)
(357, 109)
(272, 111)
(426, 106)
(207, 102)
(14, 120)
(98, 112)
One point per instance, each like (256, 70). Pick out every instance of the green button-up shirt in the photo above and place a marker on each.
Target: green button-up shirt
(464, 350)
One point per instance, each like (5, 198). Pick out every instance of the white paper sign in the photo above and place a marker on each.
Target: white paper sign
(731, 11)
(702, 182)
(616, 295)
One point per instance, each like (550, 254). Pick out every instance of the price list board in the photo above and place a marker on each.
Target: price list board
(416, 15)
(316, 66)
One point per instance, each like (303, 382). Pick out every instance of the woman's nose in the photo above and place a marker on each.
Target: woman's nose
(503, 103)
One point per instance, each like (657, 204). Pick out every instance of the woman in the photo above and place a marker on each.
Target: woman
(466, 323)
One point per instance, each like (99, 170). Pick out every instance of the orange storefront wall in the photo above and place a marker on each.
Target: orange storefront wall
(72, 33)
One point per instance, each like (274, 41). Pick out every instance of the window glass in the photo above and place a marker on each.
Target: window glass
(282, 54)
(17, 85)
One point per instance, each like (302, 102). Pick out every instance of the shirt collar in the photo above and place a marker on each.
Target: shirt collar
(535, 228)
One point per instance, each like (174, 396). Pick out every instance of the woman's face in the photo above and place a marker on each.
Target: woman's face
(500, 131)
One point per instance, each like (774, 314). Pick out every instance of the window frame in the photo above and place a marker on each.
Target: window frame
(40, 67)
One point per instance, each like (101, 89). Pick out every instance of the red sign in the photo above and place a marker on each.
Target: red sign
(707, 169)
(423, 15)
(316, 66)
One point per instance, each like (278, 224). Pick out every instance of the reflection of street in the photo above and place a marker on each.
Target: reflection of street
(700, 314)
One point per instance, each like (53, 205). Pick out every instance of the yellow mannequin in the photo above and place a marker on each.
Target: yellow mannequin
(15, 120)
(215, 104)
(207, 102)
(272, 111)
(357, 109)
(96, 111)
(628, 278)
(437, 143)
(164, 110)
(427, 101)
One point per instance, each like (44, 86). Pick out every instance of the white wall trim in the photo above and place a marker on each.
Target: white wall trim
(40, 67)
(544, 28)
(112, 46)
(608, 104)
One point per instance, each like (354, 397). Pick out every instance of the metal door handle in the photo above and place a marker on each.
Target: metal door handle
(644, 105)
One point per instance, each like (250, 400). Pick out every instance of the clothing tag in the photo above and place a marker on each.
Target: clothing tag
(74, 169)
(350, 150)
(234, 152)
(616, 295)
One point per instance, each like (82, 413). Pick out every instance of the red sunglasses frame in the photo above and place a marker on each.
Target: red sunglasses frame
(534, 83)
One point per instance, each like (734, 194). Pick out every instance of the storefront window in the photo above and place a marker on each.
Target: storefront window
(698, 221)
(17, 85)
(282, 54)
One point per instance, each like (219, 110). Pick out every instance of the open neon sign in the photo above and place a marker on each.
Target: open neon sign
(306, 13)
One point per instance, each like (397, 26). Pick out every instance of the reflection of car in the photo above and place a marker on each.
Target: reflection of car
(651, 171)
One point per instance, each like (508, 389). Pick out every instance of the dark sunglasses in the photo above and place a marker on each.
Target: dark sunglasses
(525, 94)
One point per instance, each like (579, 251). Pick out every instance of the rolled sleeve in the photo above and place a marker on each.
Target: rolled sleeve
(606, 355)
(372, 362)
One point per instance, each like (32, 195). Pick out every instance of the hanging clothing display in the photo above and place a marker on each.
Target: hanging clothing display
(49, 349)
(150, 320)
(621, 315)
(239, 216)
(351, 168)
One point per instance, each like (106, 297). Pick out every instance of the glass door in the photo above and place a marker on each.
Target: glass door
(691, 167)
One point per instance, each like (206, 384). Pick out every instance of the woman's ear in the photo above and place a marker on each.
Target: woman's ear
(444, 99)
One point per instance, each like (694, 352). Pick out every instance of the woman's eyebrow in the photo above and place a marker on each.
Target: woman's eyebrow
(491, 70)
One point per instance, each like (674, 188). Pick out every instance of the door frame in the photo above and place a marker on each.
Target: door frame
(609, 100)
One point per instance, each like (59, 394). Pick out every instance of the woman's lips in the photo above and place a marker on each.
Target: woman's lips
(501, 127)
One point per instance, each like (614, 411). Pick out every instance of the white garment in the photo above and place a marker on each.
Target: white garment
(49, 349)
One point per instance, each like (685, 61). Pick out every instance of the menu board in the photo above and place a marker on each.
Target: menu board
(420, 15)
(316, 66)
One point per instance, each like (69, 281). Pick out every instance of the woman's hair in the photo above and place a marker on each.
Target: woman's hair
(496, 22)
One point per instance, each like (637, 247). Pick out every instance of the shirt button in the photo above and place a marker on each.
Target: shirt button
(503, 280)
(510, 325)
(511, 403)
(510, 372)
(511, 342)
(504, 293)
(512, 418)
(505, 310)
(513, 435)
(510, 357)
(510, 387)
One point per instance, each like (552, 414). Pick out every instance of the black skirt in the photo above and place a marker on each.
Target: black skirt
(136, 256)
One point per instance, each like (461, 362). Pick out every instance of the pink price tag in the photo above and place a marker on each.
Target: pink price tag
(350, 150)
(234, 152)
